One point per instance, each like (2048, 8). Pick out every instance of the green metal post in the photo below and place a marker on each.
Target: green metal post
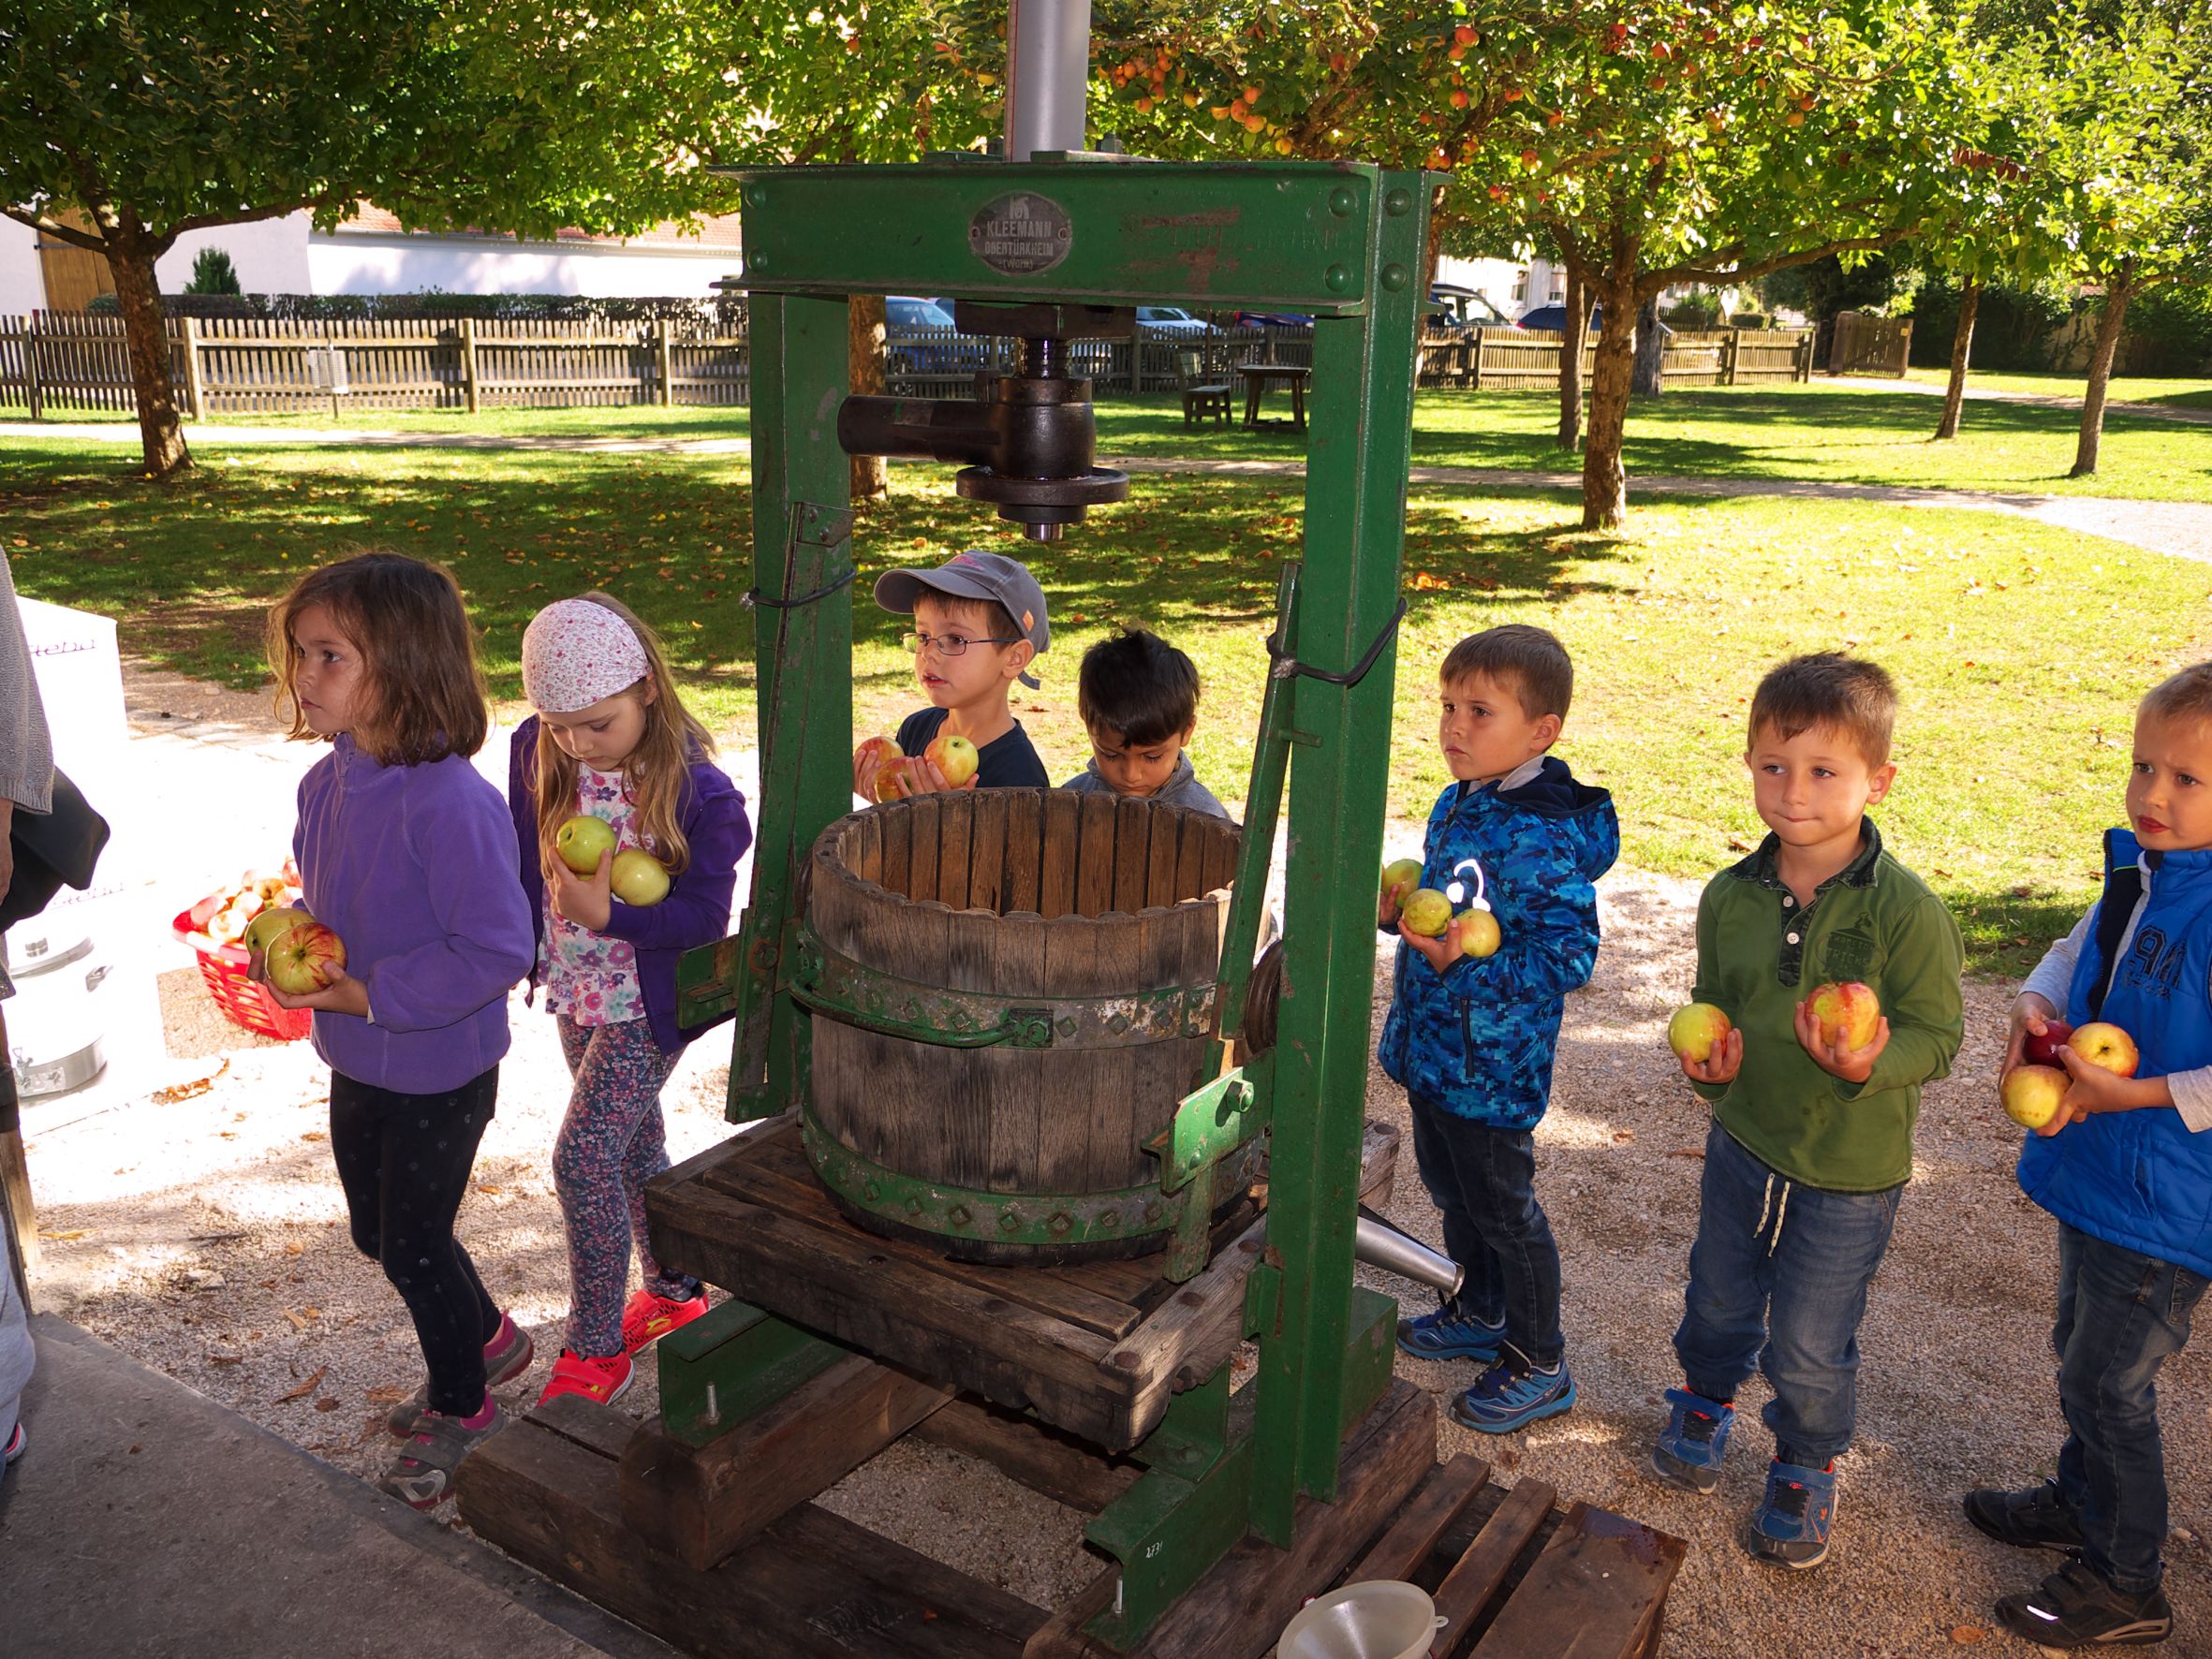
(1355, 505)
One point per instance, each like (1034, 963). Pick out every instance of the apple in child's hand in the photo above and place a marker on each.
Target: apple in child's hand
(1850, 1014)
(2043, 1050)
(582, 841)
(1427, 912)
(1400, 877)
(266, 928)
(1696, 1030)
(637, 878)
(1478, 933)
(2032, 1095)
(304, 960)
(956, 756)
(2105, 1045)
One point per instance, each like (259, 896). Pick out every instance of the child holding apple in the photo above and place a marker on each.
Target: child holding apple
(1138, 696)
(404, 852)
(1814, 1094)
(1470, 1034)
(978, 624)
(2125, 1165)
(631, 836)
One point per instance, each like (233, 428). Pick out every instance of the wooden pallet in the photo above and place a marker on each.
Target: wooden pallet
(1097, 1348)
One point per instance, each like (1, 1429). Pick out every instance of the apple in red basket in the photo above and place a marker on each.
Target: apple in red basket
(956, 756)
(2043, 1050)
(1696, 1030)
(302, 960)
(581, 841)
(637, 878)
(1849, 1013)
(2105, 1045)
(2032, 1095)
(266, 928)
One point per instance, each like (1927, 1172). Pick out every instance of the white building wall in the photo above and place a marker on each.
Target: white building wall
(23, 290)
(346, 263)
(269, 254)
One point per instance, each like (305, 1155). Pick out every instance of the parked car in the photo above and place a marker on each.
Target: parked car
(1170, 319)
(906, 314)
(1553, 318)
(1271, 319)
(1452, 306)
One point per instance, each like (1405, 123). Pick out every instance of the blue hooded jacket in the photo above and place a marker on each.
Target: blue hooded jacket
(1478, 1039)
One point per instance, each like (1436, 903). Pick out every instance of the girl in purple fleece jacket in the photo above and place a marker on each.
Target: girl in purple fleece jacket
(611, 741)
(404, 852)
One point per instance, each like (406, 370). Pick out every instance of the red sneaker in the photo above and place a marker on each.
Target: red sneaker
(646, 1318)
(602, 1380)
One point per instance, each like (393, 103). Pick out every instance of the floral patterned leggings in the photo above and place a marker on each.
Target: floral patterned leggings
(610, 1144)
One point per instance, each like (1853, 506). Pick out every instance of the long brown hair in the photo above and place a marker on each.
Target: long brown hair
(656, 774)
(425, 692)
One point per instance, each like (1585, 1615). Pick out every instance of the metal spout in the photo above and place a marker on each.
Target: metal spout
(1378, 1245)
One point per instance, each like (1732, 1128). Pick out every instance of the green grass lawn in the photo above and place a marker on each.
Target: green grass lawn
(2171, 391)
(2020, 650)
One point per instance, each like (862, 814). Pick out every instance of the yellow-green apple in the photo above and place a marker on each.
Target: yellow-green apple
(637, 878)
(270, 924)
(1400, 877)
(956, 756)
(1478, 933)
(304, 960)
(2032, 1095)
(1849, 1013)
(1426, 912)
(2105, 1045)
(581, 842)
(1696, 1030)
(2043, 1050)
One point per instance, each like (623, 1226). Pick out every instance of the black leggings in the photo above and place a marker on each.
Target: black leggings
(404, 1161)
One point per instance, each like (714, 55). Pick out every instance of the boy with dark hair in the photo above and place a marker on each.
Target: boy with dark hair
(1471, 1038)
(1811, 1141)
(2125, 1166)
(1138, 696)
(979, 622)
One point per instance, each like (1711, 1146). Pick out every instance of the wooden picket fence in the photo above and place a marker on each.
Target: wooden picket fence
(1870, 344)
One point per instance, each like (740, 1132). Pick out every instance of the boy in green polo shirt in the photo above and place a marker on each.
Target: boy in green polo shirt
(1811, 1141)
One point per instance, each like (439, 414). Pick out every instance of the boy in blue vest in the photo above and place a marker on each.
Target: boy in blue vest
(2126, 1165)
(1471, 1038)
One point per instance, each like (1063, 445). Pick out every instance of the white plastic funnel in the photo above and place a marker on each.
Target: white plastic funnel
(1378, 1619)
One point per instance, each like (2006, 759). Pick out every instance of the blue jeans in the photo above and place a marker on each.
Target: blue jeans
(1483, 1180)
(1778, 1278)
(2121, 1316)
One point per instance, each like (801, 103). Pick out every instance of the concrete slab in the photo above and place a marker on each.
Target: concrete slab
(145, 1522)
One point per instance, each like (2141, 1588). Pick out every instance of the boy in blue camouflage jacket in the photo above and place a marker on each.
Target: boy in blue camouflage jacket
(1471, 1038)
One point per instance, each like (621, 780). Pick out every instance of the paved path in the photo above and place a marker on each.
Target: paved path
(2181, 529)
(2041, 399)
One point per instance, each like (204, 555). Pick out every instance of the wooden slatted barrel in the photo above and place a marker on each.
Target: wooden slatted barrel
(1000, 918)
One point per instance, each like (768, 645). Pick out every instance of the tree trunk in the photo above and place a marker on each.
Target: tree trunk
(1604, 479)
(131, 260)
(2117, 292)
(864, 331)
(1571, 349)
(1962, 344)
(1651, 346)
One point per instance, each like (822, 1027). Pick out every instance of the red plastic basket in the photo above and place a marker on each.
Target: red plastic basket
(222, 969)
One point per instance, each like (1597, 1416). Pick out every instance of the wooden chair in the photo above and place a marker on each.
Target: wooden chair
(1202, 394)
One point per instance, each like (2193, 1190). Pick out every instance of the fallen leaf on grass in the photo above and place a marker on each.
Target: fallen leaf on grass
(305, 1388)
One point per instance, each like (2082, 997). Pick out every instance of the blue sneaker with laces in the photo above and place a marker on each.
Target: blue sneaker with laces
(1511, 1396)
(1790, 1527)
(1689, 1449)
(1449, 1334)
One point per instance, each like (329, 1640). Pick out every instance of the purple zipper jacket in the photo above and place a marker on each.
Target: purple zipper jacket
(413, 867)
(697, 909)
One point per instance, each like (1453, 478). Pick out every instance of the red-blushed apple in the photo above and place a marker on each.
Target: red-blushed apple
(2032, 1095)
(1849, 1013)
(1479, 932)
(1426, 912)
(637, 878)
(956, 756)
(2043, 1050)
(270, 924)
(302, 960)
(1400, 877)
(2105, 1045)
(581, 841)
(891, 776)
(1696, 1030)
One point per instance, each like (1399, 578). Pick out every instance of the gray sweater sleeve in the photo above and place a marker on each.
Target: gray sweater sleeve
(26, 748)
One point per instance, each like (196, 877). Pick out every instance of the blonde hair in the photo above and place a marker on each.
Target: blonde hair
(2184, 695)
(424, 692)
(657, 774)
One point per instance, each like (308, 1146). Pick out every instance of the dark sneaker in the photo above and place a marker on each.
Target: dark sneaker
(507, 1356)
(2033, 1518)
(2074, 1607)
(1689, 1449)
(1790, 1527)
(1449, 1334)
(16, 1442)
(1509, 1396)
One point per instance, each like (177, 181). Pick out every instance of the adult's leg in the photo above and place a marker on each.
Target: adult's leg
(1826, 1247)
(1724, 1303)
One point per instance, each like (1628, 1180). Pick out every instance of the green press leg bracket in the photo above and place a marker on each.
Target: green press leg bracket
(730, 1365)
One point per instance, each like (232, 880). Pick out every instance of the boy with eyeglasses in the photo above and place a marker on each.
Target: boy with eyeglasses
(979, 622)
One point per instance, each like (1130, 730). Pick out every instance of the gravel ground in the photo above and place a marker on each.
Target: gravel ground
(204, 1234)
